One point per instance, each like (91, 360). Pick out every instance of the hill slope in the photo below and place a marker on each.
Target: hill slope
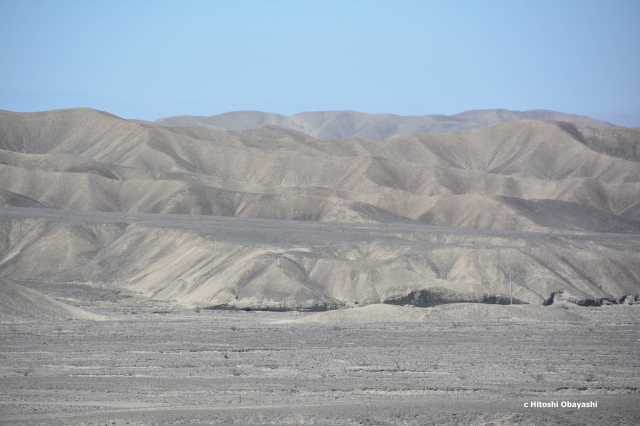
(22, 304)
(279, 265)
(89, 160)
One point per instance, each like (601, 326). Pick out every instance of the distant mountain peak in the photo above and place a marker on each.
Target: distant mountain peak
(334, 125)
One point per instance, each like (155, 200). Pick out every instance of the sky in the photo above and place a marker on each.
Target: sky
(152, 59)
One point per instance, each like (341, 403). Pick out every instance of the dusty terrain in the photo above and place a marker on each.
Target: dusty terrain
(158, 273)
(155, 363)
(101, 334)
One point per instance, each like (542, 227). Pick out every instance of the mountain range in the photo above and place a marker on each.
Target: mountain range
(198, 215)
(333, 125)
(518, 175)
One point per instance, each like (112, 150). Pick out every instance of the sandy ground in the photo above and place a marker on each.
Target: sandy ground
(154, 363)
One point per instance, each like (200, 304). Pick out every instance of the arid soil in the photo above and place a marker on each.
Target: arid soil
(156, 363)
(156, 273)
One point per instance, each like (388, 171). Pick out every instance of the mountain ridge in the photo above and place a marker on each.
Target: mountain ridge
(90, 160)
(334, 125)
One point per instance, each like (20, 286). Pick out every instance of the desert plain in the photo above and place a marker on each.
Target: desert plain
(323, 268)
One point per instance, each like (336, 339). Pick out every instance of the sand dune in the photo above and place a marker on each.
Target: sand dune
(332, 125)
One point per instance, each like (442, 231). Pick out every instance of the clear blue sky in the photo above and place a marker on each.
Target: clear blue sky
(148, 59)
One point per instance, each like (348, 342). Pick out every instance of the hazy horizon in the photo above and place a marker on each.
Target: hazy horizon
(22, 102)
(284, 57)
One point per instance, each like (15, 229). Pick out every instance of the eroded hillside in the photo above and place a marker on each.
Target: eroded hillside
(234, 219)
(498, 177)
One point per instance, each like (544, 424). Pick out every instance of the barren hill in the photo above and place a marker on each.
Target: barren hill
(333, 125)
(555, 204)
(521, 175)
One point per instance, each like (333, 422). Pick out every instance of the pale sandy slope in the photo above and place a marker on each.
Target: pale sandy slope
(332, 125)
(21, 304)
(521, 175)
(450, 312)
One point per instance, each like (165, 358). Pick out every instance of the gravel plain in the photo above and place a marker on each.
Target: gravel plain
(155, 363)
